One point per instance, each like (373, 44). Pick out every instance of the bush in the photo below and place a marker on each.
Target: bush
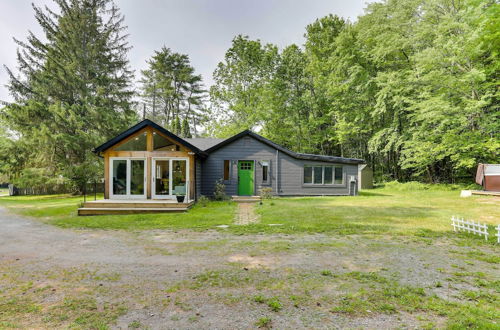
(419, 186)
(266, 193)
(203, 200)
(220, 191)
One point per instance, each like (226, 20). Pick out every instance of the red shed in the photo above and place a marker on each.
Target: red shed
(488, 176)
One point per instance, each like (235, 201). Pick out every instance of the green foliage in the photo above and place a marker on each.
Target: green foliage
(266, 193)
(220, 191)
(263, 322)
(412, 87)
(173, 93)
(71, 92)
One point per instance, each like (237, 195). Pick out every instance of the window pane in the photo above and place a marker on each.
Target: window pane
(179, 177)
(137, 177)
(137, 143)
(265, 170)
(328, 174)
(338, 175)
(318, 174)
(307, 174)
(160, 143)
(162, 177)
(119, 177)
(226, 170)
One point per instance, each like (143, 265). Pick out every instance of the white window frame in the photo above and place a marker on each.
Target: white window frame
(170, 168)
(128, 195)
(266, 163)
(313, 166)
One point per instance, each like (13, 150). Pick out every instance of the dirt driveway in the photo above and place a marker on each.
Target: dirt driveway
(166, 279)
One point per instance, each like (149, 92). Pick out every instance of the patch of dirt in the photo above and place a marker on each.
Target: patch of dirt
(183, 279)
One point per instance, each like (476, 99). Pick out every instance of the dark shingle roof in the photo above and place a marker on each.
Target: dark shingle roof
(141, 125)
(204, 143)
(332, 159)
(203, 146)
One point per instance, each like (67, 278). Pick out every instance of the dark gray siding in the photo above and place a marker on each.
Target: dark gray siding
(246, 148)
(290, 171)
(197, 174)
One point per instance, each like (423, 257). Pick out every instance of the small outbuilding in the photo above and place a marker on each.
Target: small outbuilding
(488, 176)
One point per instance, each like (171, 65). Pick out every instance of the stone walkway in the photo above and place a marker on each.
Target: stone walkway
(246, 214)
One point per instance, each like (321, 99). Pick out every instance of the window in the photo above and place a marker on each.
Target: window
(308, 176)
(160, 143)
(137, 143)
(318, 174)
(328, 178)
(226, 169)
(265, 171)
(322, 175)
(339, 178)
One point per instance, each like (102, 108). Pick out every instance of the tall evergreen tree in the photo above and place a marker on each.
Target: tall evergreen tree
(72, 91)
(172, 91)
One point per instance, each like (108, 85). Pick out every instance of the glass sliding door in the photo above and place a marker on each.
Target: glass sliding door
(179, 178)
(128, 178)
(137, 182)
(119, 177)
(170, 178)
(162, 178)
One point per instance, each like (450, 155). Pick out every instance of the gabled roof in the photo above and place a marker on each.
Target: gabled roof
(204, 143)
(146, 122)
(293, 154)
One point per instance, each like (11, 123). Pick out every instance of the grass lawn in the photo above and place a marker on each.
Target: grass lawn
(60, 210)
(390, 210)
(385, 259)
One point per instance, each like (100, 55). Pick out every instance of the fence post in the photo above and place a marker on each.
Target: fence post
(498, 234)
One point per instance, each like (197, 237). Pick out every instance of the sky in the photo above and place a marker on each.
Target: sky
(202, 29)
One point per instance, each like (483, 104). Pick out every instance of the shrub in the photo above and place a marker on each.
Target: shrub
(203, 200)
(220, 191)
(263, 322)
(266, 193)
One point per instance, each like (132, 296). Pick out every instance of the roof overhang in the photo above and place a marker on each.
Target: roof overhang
(330, 159)
(145, 123)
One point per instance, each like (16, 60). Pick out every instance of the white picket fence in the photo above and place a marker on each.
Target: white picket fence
(498, 234)
(471, 226)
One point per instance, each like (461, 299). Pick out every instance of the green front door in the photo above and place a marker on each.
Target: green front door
(245, 178)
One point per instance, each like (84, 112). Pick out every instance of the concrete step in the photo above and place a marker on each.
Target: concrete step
(246, 199)
(129, 210)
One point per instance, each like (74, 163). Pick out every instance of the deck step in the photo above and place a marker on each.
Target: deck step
(143, 205)
(128, 210)
(246, 199)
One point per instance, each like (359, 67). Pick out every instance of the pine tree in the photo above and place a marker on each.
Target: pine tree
(72, 91)
(171, 89)
(177, 126)
(186, 132)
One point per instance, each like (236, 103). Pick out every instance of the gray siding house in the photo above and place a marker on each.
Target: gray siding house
(272, 166)
(148, 162)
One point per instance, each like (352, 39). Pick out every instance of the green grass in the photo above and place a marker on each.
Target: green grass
(60, 210)
(395, 209)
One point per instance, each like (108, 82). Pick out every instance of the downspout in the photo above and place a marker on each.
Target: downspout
(277, 173)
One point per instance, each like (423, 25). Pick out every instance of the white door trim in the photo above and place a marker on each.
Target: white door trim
(170, 168)
(128, 179)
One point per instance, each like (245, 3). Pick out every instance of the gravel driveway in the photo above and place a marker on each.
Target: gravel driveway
(161, 276)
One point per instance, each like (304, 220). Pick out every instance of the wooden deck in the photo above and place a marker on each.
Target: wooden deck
(113, 206)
